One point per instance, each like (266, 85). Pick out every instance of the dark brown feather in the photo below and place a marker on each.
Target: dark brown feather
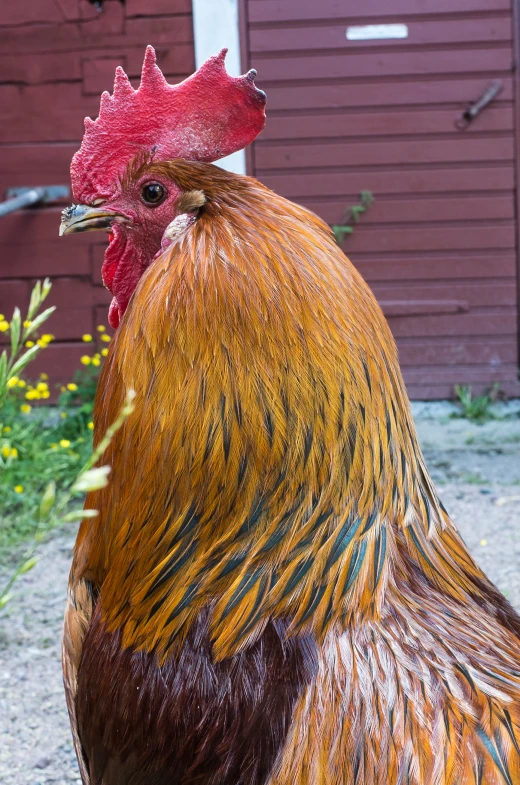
(191, 720)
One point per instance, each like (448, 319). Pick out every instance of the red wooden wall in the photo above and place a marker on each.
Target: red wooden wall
(56, 57)
(439, 246)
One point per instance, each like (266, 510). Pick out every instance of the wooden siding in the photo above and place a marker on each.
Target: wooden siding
(56, 57)
(438, 246)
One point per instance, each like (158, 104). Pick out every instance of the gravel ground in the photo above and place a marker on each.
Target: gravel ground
(473, 466)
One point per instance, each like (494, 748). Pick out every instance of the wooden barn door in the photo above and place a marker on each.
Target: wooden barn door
(371, 96)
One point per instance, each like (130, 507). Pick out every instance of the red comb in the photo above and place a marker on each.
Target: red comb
(204, 118)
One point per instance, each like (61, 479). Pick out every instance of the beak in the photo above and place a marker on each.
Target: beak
(84, 218)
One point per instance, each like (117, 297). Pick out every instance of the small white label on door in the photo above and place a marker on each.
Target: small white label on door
(376, 32)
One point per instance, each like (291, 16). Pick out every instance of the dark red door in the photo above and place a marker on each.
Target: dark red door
(350, 110)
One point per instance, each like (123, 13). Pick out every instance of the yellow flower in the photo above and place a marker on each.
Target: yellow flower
(18, 489)
(45, 394)
(42, 386)
(72, 387)
(44, 376)
(29, 344)
(2, 317)
(64, 443)
(63, 389)
(104, 352)
(45, 340)
(31, 395)
(63, 415)
(14, 452)
(90, 426)
(53, 446)
(25, 408)
(96, 361)
(4, 326)
(13, 381)
(101, 328)
(7, 429)
(106, 338)
(6, 451)
(21, 383)
(85, 360)
(27, 323)
(87, 338)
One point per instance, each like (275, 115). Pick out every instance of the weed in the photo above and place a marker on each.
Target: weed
(352, 216)
(475, 407)
(474, 479)
(46, 457)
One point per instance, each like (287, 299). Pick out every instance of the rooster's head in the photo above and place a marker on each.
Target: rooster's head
(118, 183)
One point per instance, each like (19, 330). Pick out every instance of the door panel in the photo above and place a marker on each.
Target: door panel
(439, 244)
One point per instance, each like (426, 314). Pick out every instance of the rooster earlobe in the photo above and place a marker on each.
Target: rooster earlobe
(190, 201)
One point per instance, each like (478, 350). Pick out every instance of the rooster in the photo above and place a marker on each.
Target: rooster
(272, 592)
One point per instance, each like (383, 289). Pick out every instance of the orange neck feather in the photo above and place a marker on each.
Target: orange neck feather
(271, 466)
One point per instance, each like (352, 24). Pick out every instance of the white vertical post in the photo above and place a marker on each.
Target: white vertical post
(215, 26)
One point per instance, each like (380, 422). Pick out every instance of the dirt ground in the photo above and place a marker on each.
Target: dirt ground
(475, 468)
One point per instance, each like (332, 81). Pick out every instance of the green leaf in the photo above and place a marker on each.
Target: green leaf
(35, 301)
(92, 480)
(357, 210)
(78, 515)
(46, 287)
(4, 599)
(24, 360)
(47, 500)
(36, 323)
(3, 371)
(28, 565)
(16, 326)
(340, 232)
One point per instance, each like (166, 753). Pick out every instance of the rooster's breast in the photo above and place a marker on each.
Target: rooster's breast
(190, 720)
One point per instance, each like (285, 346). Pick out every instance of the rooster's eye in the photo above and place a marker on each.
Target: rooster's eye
(153, 193)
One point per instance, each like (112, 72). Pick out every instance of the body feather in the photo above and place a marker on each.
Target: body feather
(270, 474)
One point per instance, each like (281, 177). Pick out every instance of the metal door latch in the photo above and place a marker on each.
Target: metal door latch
(476, 107)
